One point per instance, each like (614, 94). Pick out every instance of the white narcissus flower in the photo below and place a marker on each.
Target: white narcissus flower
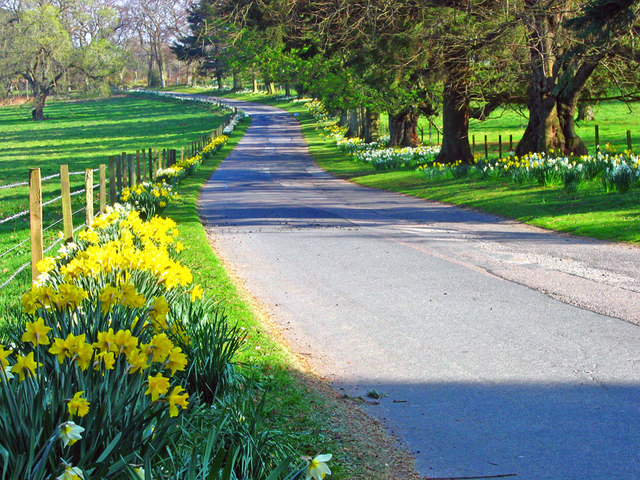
(318, 468)
(139, 471)
(71, 473)
(70, 433)
(7, 372)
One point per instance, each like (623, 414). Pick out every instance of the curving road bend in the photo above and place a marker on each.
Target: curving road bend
(496, 348)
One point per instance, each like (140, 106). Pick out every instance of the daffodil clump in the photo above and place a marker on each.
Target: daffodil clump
(150, 198)
(377, 154)
(95, 380)
(182, 168)
(615, 171)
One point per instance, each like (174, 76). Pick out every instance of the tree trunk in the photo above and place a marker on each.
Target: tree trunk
(162, 69)
(300, 90)
(573, 144)
(343, 120)
(403, 129)
(354, 124)
(150, 71)
(287, 89)
(371, 126)
(555, 89)
(237, 82)
(585, 112)
(455, 119)
(219, 79)
(39, 101)
(271, 88)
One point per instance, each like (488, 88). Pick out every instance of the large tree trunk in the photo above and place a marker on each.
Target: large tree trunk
(403, 129)
(219, 79)
(371, 126)
(455, 116)
(162, 69)
(237, 82)
(287, 89)
(271, 88)
(355, 123)
(150, 71)
(555, 89)
(39, 101)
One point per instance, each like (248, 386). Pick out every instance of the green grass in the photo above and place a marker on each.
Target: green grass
(81, 134)
(588, 212)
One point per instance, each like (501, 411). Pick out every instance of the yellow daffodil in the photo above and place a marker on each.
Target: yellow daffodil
(176, 361)
(108, 359)
(71, 473)
(106, 341)
(36, 333)
(77, 405)
(130, 297)
(3, 356)
(318, 468)
(138, 360)
(196, 292)
(83, 354)
(177, 398)
(109, 297)
(46, 265)
(158, 385)
(25, 364)
(124, 341)
(158, 313)
(69, 295)
(68, 347)
(159, 347)
(70, 433)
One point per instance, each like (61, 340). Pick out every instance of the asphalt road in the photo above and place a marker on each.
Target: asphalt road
(496, 348)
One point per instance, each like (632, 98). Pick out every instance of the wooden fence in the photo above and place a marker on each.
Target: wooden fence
(122, 171)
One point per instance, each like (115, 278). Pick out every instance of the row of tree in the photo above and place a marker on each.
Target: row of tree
(463, 58)
(57, 44)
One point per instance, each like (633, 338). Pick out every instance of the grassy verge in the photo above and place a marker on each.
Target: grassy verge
(298, 402)
(588, 212)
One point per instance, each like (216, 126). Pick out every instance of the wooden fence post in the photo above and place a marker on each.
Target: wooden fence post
(181, 154)
(511, 143)
(88, 191)
(112, 180)
(132, 171)
(143, 161)
(629, 140)
(103, 187)
(67, 213)
(486, 148)
(473, 142)
(597, 132)
(138, 173)
(151, 170)
(121, 171)
(35, 219)
(499, 146)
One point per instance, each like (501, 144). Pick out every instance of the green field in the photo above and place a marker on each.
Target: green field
(81, 134)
